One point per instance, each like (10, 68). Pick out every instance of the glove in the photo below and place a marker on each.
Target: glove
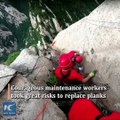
(92, 74)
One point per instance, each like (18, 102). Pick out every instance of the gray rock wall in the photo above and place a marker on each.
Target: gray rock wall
(28, 109)
(13, 27)
(32, 71)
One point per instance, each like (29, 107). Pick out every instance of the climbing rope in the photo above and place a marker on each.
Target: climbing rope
(29, 72)
(7, 76)
(102, 21)
(107, 26)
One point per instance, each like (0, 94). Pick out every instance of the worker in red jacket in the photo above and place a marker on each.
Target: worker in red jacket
(76, 59)
(75, 56)
(67, 74)
(84, 109)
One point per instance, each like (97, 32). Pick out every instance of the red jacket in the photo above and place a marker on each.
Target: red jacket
(69, 76)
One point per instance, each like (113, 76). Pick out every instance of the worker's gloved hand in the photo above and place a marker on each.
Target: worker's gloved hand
(92, 74)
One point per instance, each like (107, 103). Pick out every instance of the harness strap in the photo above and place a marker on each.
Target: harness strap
(98, 117)
(74, 59)
(104, 112)
(65, 76)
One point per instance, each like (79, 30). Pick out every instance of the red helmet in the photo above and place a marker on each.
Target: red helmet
(79, 59)
(64, 61)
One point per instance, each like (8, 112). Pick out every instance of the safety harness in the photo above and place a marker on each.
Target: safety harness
(64, 77)
(103, 111)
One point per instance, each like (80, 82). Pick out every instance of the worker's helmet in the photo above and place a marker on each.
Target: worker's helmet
(65, 62)
(78, 59)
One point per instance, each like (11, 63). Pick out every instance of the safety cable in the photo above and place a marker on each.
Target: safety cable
(7, 76)
(102, 21)
(42, 110)
(90, 21)
(29, 72)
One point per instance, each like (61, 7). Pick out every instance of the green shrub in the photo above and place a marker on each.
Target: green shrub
(12, 57)
(61, 103)
(52, 80)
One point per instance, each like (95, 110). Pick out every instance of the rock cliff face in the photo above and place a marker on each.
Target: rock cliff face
(28, 108)
(50, 17)
(29, 70)
(12, 26)
(99, 35)
(32, 22)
